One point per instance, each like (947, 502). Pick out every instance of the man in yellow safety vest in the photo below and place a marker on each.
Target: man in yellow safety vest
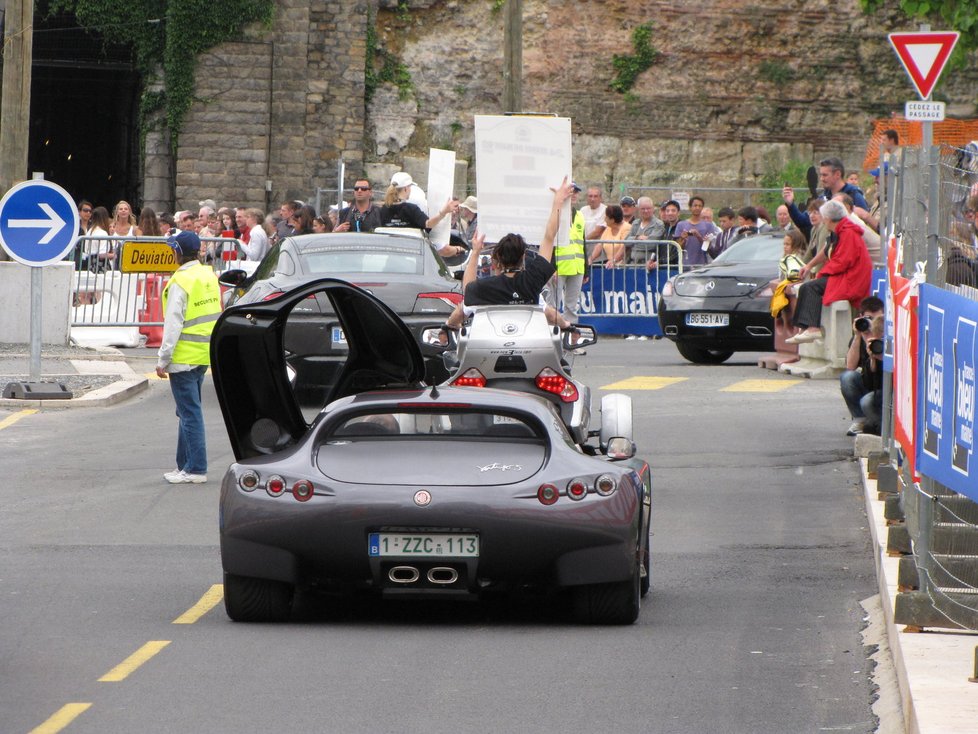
(191, 305)
(570, 262)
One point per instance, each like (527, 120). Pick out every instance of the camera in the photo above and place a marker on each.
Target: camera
(862, 324)
(876, 346)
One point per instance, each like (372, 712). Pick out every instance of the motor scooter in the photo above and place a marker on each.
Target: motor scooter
(515, 348)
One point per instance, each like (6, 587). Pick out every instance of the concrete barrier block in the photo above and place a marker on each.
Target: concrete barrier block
(15, 296)
(825, 358)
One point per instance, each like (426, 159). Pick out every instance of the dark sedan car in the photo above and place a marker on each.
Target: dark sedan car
(399, 488)
(402, 270)
(724, 307)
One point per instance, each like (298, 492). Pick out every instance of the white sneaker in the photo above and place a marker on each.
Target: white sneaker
(172, 476)
(630, 337)
(642, 338)
(185, 478)
(857, 427)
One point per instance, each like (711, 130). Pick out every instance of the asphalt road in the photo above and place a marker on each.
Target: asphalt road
(760, 558)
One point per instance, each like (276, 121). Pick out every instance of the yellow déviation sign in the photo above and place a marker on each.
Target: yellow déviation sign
(147, 257)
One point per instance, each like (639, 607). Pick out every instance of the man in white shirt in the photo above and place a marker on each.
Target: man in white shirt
(593, 213)
(416, 194)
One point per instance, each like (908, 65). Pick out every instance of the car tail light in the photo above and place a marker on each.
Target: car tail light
(449, 298)
(249, 481)
(547, 494)
(275, 486)
(577, 489)
(470, 378)
(550, 381)
(606, 485)
(302, 490)
(273, 294)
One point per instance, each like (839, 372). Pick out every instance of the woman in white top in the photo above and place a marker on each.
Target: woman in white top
(99, 254)
(124, 220)
(257, 244)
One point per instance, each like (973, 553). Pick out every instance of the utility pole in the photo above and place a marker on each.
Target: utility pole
(513, 56)
(18, 45)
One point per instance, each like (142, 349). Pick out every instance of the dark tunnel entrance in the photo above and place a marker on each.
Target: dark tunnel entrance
(84, 131)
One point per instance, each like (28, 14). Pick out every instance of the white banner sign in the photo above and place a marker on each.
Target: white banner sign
(924, 111)
(441, 188)
(519, 159)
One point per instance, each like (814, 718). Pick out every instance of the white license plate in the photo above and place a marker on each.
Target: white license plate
(423, 544)
(707, 319)
(338, 336)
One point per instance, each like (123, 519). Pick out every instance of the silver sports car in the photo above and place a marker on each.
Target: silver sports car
(394, 486)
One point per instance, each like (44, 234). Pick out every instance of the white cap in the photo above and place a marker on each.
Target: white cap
(402, 179)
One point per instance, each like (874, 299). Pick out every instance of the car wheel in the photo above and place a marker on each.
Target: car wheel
(647, 568)
(700, 355)
(249, 599)
(614, 603)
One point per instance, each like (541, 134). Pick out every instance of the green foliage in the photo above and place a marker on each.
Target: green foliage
(628, 67)
(954, 15)
(382, 66)
(793, 172)
(776, 72)
(167, 34)
(497, 5)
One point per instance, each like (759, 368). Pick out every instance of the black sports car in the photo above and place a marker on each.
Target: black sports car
(401, 269)
(724, 307)
(397, 487)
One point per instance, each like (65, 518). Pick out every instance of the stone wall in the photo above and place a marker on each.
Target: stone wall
(740, 88)
(276, 109)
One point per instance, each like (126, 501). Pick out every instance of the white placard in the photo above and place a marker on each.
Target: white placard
(924, 111)
(441, 187)
(682, 198)
(519, 159)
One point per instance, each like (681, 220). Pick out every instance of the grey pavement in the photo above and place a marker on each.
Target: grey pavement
(932, 668)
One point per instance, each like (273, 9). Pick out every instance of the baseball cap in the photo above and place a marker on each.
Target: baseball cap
(186, 242)
(576, 187)
(627, 201)
(402, 179)
(471, 203)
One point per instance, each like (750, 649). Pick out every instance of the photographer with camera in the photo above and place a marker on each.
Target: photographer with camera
(862, 381)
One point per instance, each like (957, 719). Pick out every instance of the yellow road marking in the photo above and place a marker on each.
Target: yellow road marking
(127, 666)
(61, 718)
(760, 386)
(11, 419)
(644, 383)
(211, 598)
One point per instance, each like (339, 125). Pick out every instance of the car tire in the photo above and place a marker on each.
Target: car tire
(248, 599)
(608, 604)
(701, 355)
(647, 566)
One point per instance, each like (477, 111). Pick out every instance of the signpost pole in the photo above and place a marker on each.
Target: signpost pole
(36, 289)
(933, 191)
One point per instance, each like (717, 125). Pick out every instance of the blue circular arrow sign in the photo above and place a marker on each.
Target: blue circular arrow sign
(38, 222)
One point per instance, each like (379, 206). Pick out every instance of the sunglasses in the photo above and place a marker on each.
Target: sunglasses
(361, 188)
(86, 210)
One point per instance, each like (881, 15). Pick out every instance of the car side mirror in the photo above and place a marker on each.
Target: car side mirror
(578, 337)
(433, 337)
(620, 448)
(233, 278)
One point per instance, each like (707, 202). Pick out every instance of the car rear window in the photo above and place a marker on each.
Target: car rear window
(427, 424)
(374, 260)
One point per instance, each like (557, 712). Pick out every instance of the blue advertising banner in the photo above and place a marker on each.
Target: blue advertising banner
(622, 300)
(946, 403)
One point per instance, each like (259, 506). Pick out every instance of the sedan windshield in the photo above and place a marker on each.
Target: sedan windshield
(374, 260)
(754, 249)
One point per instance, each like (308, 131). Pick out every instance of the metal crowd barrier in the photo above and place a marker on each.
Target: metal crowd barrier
(104, 296)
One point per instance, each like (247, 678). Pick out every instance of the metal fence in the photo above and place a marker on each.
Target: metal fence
(103, 296)
(930, 197)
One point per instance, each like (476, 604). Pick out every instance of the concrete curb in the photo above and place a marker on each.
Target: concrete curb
(116, 392)
(932, 667)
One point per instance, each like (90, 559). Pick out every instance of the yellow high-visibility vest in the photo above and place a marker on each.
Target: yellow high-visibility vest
(203, 309)
(569, 259)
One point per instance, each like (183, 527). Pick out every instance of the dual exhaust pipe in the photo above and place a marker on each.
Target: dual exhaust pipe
(440, 575)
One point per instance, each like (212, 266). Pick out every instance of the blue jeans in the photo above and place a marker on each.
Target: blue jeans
(872, 407)
(853, 391)
(191, 444)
